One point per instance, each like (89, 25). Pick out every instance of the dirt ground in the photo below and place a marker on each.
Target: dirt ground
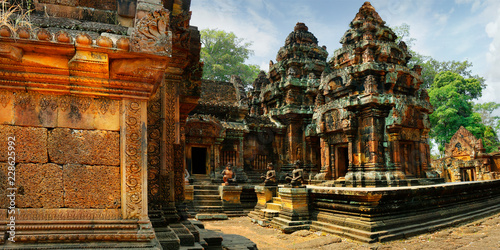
(481, 234)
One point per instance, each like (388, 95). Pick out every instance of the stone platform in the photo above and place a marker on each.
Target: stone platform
(294, 214)
(384, 214)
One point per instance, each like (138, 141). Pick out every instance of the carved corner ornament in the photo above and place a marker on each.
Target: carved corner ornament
(11, 52)
(152, 34)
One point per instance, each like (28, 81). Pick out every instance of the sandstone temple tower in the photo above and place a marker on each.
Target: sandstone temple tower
(371, 114)
(288, 96)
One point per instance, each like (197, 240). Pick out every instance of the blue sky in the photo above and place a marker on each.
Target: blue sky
(444, 29)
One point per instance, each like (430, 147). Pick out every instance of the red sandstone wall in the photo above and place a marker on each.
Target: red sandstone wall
(66, 156)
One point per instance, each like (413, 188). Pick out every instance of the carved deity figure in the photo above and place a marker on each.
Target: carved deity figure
(270, 177)
(291, 72)
(229, 177)
(186, 176)
(297, 178)
(368, 56)
(348, 120)
(370, 85)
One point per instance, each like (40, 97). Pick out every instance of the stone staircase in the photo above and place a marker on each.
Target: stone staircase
(265, 215)
(207, 203)
(207, 199)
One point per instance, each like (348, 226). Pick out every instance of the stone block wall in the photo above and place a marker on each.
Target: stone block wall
(67, 151)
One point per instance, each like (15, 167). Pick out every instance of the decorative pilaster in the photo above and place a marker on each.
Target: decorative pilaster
(133, 144)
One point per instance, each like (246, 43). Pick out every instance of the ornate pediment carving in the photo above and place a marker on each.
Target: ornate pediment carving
(152, 34)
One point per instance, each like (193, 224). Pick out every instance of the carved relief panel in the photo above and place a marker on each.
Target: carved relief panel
(332, 120)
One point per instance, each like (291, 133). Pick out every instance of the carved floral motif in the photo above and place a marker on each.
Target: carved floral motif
(152, 34)
(133, 160)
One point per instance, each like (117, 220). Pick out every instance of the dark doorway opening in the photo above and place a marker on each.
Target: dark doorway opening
(408, 160)
(468, 174)
(199, 160)
(342, 161)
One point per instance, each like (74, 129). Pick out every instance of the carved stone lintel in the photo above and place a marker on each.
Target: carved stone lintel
(11, 52)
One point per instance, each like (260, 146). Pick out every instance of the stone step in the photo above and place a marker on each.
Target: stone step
(206, 187)
(207, 197)
(185, 236)
(205, 192)
(197, 224)
(274, 206)
(277, 200)
(215, 203)
(192, 228)
(212, 216)
(270, 213)
(167, 238)
(211, 209)
(197, 246)
(212, 239)
(236, 213)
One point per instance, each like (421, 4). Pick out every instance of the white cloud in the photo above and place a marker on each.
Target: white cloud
(245, 21)
(443, 29)
(493, 60)
(476, 4)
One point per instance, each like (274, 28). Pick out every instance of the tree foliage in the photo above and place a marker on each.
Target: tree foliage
(452, 90)
(224, 54)
(485, 110)
(452, 97)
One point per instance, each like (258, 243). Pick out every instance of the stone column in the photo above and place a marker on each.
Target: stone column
(397, 172)
(372, 171)
(425, 154)
(133, 164)
(133, 144)
(240, 153)
(326, 171)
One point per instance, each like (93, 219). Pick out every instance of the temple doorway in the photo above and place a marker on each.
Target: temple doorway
(199, 160)
(342, 161)
(468, 174)
(408, 159)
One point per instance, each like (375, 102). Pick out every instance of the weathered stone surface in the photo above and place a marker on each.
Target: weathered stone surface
(302, 233)
(126, 7)
(109, 120)
(38, 110)
(39, 186)
(30, 144)
(68, 214)
(316, 243)
(3, 186)
(6, 108)
(74, 116)
(230, 194)
(61, 2)
(264, 195)
(91, 186)
(103, 4)
(465, 160)
(32, 109)
(92, 147)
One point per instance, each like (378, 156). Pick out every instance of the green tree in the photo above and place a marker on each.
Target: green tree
(452, 96)
(486, 111)
(224, 55)
(452, 89)
(491, 122)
